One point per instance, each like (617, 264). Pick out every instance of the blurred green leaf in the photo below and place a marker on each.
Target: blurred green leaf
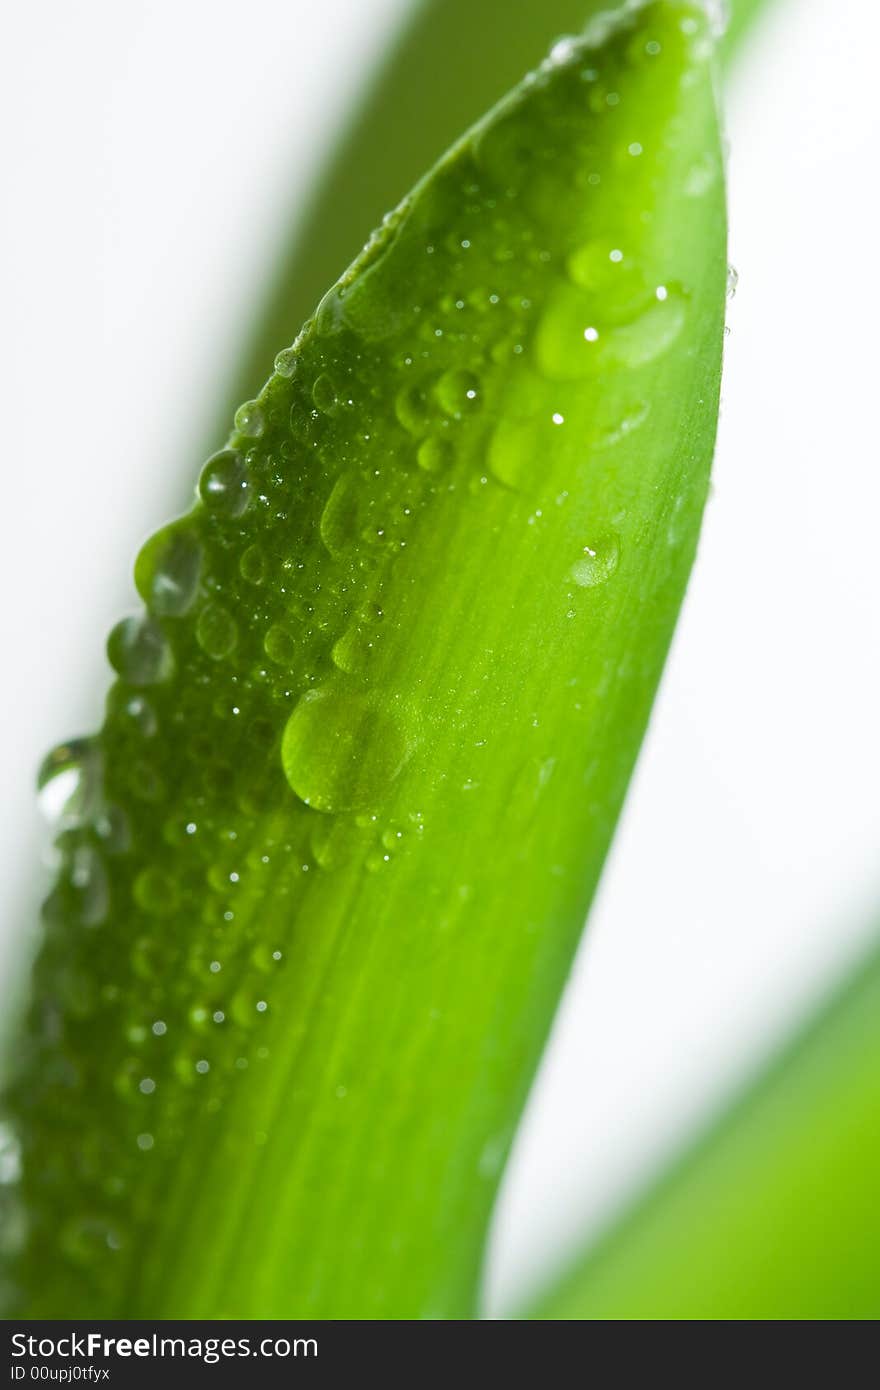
(323, 869)
(773, 1215)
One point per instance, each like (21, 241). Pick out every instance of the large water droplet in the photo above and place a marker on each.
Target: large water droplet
(598, 560)
(249, 419)
(580, 336)
(166, 571)
(138, 650)
(286, 362)
(223, 484)
(68, 781)
(341, 751)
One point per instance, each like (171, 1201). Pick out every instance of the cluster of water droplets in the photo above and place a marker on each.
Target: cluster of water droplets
(258, 733)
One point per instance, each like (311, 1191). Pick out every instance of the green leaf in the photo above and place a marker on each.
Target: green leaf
(324, 868)
(773, 1214)
(431, 86)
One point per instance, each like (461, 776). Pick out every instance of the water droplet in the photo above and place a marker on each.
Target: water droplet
(67, 782)
(578, 338)
(223, 484)
(434, 454)
(357, 645)
(286, 362)
(138, 650)
(249, 419)
(342, 751)
(339, 520)
(253, 565)
(166, 572)
(216, 631)
(519, 448)
(325, 395)
(84, 887)
(415, 407)
(598, 560)
(459, 393)
(145, 1142)
(732, 281)
(156, 892)
(280, 645)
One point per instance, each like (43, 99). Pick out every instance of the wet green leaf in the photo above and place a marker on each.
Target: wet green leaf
(324, 867)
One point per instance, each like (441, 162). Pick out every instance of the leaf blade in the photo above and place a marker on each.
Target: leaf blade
(439, 564)
(771, 1214)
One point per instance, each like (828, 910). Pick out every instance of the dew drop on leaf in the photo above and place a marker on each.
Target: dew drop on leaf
(253, 565)
(434, 454)
(325, 395)
(286, 362)
(216, 631)
(579, 338)
(66, 781)
(339, 520)
(249, 419)
(459, 393)
(138, 650)
(280, 645)
(415, 408)
(341, 751)
(598, 562)
(356, 647)
(166, 571)
(223, 484)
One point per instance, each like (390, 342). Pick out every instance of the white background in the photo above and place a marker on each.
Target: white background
(151, 149)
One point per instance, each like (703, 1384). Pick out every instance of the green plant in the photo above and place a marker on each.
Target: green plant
(773, 1213)
(324, 867)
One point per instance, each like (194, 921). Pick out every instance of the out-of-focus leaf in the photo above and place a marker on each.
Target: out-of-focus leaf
(773, 1215)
